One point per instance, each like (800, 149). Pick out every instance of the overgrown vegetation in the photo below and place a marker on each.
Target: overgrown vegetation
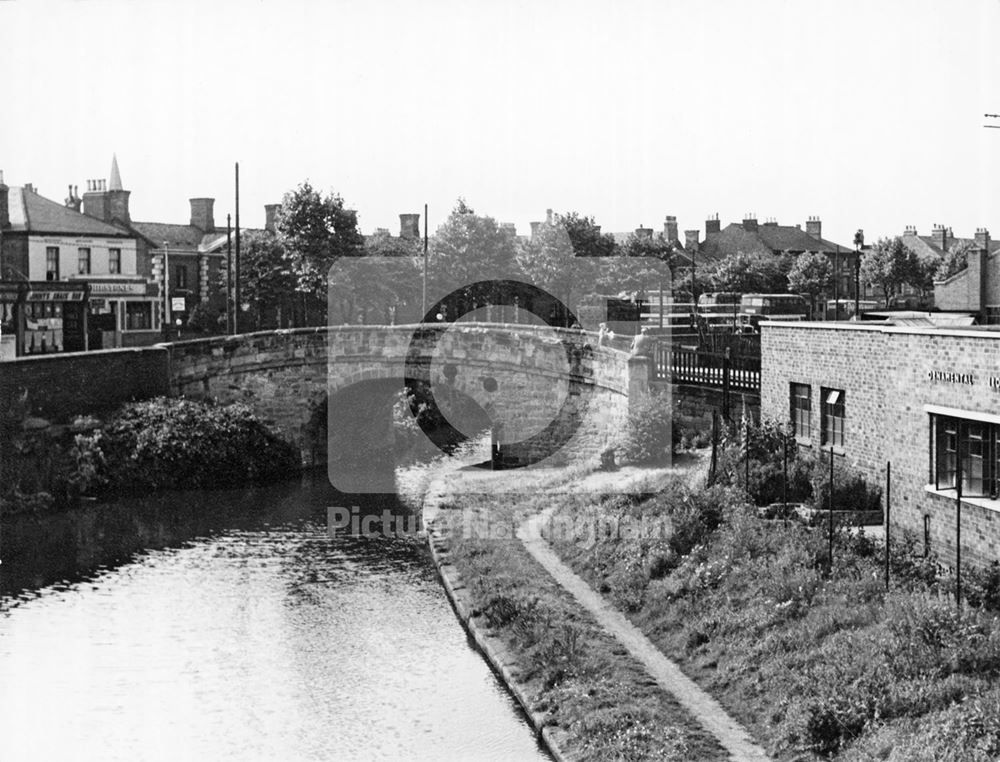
(179, 444)
(650, 435)
(577, 674)
(808, 475)
(819, 661)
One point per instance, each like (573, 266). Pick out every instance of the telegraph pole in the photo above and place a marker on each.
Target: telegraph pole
(237, 306)
(229, 276)
(423, 300)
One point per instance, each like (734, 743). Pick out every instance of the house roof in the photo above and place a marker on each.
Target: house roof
(32, 213)
(768, 238)
(180, 236)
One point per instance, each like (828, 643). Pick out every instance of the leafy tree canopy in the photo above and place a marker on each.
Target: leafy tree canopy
(888, 265)
(316, 230)
(751, 273)
(811, 274)
(955, 259)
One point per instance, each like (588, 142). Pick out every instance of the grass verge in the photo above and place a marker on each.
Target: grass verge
(580, 678)
(816, 661)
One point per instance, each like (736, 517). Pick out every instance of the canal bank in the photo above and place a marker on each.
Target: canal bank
(587, 696)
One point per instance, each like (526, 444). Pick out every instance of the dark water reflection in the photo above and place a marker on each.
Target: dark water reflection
(231, 626)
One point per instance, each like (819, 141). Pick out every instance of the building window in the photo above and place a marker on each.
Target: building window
(51, 263)
(83, 261)
(801, 399)
(180, 276)
(115, 261)
(832, 415)
(138, 316)
(969, 448)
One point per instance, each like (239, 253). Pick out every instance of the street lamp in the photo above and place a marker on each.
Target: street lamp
(859, 241)
(166, 288)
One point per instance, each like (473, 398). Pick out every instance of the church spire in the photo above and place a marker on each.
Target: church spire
(115, 183)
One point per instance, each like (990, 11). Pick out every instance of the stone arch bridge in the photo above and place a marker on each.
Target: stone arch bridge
(339, 384)
(311, 384)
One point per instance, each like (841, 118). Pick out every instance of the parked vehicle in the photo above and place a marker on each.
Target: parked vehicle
(756, 308)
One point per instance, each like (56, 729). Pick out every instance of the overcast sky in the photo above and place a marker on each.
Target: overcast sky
(867, 114)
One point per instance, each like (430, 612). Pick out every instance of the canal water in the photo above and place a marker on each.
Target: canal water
(231, 626)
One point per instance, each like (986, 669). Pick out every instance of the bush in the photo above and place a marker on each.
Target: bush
(180, 444)
(763, 443)
(851, 491)
(650, 435)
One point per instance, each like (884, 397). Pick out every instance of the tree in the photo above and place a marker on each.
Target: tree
(812, 275)
(647, 262)
(551, 261)
(888, 265)
(954, 260)
(316, 231)
(468, 249)
(750, 273)
(267, 283)
(586, 236)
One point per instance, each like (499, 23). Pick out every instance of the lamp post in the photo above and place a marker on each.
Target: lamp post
(166, 289)
(859, 241)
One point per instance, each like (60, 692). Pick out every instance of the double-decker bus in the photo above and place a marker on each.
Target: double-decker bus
(756, 308)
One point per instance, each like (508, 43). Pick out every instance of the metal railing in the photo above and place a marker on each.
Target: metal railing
(678, 365)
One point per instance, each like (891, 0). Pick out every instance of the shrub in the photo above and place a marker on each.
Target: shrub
(763, 443)
(650, 436)
(851, 491)
(180, 444)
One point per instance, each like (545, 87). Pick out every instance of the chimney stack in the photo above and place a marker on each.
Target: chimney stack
(814, 227)
(97, 203)
(976, 280)
(548, 216)
(910, 230)
(939, 234)
(4, 208)
(202, 214)
(642, 232)
(534, 229)
(409, 226)
(712, 225)
(670, 229)
(270, 213)
(691, 240)
(750, 223)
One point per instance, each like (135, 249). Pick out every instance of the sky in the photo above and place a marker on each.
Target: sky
(865, 114)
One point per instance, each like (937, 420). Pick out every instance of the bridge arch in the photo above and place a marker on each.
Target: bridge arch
(512, 371)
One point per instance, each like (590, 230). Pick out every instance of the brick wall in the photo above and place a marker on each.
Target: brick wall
(885, 373)
(66, 385)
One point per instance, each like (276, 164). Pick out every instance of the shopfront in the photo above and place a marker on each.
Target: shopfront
(926, 400)
(42, 318)
(10, 319)
(124, 312)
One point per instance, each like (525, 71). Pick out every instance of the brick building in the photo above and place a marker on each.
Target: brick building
(753, 237)
(976, 288)
(927, 399)
(58, 255)
(195, 252)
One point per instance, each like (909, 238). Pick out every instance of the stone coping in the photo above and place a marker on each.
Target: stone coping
(984, 332)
